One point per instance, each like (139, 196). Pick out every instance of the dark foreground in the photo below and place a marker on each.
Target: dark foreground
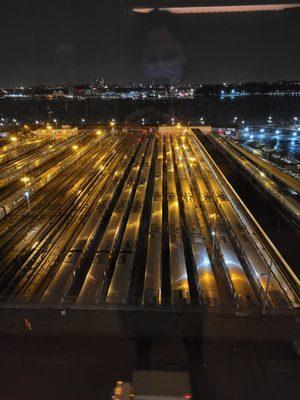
(36, 366)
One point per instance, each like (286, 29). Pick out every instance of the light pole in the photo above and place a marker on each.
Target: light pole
(99, 133)
(265, 300)
(112, 124)
(28, 201)
(214, 217)
(25, 179)
(49, 127)
(14, 140)
(75, 148)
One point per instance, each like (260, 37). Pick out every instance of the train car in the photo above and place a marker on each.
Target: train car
(252, 251)
(3, 211)
(97, 274)
(178, 271)
(152, 280)
(256, 264)
(237, 280)
(119, 287)
(12, 202)
(207, 286)
(58, 289)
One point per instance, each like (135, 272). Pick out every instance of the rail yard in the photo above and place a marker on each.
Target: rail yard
(143, 218)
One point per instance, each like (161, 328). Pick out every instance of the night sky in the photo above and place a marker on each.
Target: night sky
(72, 41)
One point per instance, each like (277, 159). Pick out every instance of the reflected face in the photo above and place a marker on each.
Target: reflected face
(163, 58)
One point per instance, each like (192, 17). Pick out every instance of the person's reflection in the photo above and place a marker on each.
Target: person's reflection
(162, 62)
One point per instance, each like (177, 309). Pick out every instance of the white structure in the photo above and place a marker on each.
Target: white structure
(57, 133)
(181, 128)
(154, 385)
(161, 385)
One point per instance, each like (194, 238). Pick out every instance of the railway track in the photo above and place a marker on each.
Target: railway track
(146, 219)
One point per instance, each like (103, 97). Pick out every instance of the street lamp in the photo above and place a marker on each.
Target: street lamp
(214, 217)
(99, 133)
(14, 140)
(25, 179)
(112, 124)
(28, 201)
(75, 148)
